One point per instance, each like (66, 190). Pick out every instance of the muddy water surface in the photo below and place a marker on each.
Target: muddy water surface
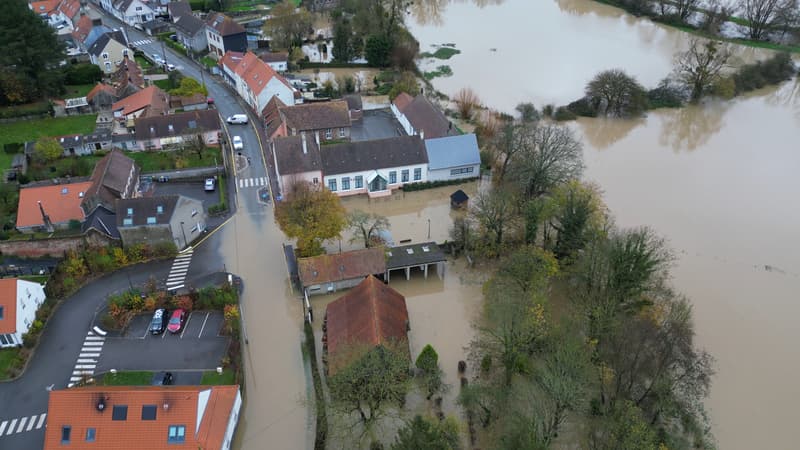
(719, 181)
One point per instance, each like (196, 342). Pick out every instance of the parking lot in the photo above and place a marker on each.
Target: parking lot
(198, 346)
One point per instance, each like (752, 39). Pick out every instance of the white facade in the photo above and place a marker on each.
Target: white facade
(455, 173)
(259, 102)
(279, 66)
(233, 420)
(370, 180)
(136, 13)
(319, 52)
(403, 121)
(29, 297)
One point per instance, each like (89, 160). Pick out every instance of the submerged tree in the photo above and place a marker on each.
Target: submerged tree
(700, 66)
(617, 93)
(764, 16)
(428, 434)
(367, 227)
(311, 214)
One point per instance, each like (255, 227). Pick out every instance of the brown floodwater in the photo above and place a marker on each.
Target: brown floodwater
(718, 180)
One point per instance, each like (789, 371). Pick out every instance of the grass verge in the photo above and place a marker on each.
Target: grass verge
(133, 378)
(11, 362)
(212, 378)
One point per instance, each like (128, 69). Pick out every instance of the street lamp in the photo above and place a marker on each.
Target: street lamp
(429, 228)
(184, 236)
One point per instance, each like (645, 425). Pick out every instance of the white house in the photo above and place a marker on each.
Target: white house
(453, 157)
(376, 167)
(296, 159)
(19, 301)
(132, 12)
(255, 81)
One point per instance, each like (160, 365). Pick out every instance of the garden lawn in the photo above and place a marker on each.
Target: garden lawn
(10, 360)
(162, 84)
(143, 62)
(211, 377)
(30, 130)
(141, 378)
(166, 160)
(77, 90)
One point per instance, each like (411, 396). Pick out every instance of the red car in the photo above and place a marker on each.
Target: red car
(176, 321)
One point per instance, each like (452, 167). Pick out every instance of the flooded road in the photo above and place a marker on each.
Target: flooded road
(719, 181)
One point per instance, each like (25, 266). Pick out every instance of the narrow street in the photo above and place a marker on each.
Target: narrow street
(250, 245)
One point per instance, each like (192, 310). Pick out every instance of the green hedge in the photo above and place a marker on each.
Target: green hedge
(411, 187)
(331, 65)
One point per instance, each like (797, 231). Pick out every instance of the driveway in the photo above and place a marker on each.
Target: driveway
(198, 347)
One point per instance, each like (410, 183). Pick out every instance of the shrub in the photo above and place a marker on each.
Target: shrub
(724, 87)
(428, 359)
(83, 74)
(563, 113)
(434, 184)
(165, 249)
(581, 107)
(666, 95)
(12, 148)
(184, 302)
(772, 71)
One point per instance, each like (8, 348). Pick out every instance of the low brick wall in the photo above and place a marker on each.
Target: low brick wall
(55, 247)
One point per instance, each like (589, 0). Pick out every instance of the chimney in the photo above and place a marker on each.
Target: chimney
(316, 137)
(47, 224)
(422, 134)
(305, 146)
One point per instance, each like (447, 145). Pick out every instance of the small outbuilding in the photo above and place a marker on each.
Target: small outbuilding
(325, 274)
(422, 256)
(459, 199)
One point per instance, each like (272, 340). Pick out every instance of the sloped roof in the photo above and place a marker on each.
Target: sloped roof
(69, 8)
(373, 155)
(61, 203)
(402, 101)
(427, 118)
(101, 87)
(257, 74)
(272, 115)
(341, 266)
(413, 255)
(273, 57)
(353, 102)
(316, 116)
(129, 72)
(8, 300)
(82, 28)
(102, 220)
(189, 24)
(147, 207)
(110, 177)
(224, 25)
(452, 151)
(231, 60)
(44, 7)
(181, 124)
(211, 406)
(150, 97)
(94, 34)
(101, 43)
(290, 156)
(368, 315)
(179, 9)
(459, 196)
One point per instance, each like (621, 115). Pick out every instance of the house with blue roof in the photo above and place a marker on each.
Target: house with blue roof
(453, 157)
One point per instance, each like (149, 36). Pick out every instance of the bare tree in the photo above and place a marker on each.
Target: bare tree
(467, 101)
(366, 226)
(701, 65)
(763, 15)
(613, 91)
(550, 156)
(494, 212)
(681, 9)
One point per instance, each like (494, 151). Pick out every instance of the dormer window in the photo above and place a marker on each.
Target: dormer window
(159, 209)
(151, 220)
(130, 211)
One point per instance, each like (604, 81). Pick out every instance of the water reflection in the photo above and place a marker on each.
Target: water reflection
(787, 96)
(690, 127)
(602, 133)
(431, 12)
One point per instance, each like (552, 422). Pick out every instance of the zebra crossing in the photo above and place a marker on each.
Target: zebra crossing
(141, 42)
(180, 267)
(87, 359)
(22, 424)
(252, 182)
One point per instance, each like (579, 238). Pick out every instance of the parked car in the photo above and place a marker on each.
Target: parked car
(209, 184)
(158, 59)
(159, 322)
(176, 321)
(170, 67)
(237, 143)
(168, 379)
(237, 119)
(163, 179)
(174, 37)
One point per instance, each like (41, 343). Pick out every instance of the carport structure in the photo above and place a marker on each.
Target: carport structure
(406, 257)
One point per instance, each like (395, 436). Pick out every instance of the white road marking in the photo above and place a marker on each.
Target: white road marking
(85, 366)
(41, 421)
(95, 338)
(241, 183)
(31, 423)
(3, 427)
(11, 427)
(181, 264)
(84, 361)
(176, 287)
(204, 325)
(186, 325)
(22, 424)
(89, 355)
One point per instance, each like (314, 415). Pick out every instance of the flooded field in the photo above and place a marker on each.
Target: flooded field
(717, 180)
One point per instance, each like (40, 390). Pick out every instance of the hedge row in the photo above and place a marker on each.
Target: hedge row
(435, 184)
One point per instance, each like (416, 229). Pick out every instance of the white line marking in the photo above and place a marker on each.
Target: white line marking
(82, 372)
(22, 424)
(204, 325)
(89, 355)
(95, 338)
(182, 263)
(11, 427)
(93, 344)
(176, 287)
(174, 284)
(90, 349)
(3, 427)
(74, 379)
(182, 258)
(84, 361)
(176, 280)
(90, 333)
(30, 424)
(241, 183)
(173, 273)
(186, 325)
(85, 366)
(41, 421)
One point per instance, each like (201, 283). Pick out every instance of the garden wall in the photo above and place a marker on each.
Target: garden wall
(55, 247)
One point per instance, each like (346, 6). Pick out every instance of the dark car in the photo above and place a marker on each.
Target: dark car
(159, 322)
(176, 321)
(167, 380)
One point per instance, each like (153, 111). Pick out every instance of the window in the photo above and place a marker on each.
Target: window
(194, 212)
(359, 182)
(342, 132)
(329, 134)
(127, 221)
(392, 177)
(138, 8)
(417, 174)
(130, 211)
(332, 184)
(1, 313)
(160, 210)
(151, 220)
(108, 66)
(66, 430)
(404, 176)
(177, 433)
(90, 434)
(346, 183)
(461, 171)
(120, 412)
(105, 55)
(149, 412)
(316, 180)
(125, 52)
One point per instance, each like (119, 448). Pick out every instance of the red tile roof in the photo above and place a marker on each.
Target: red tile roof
(100, 87)
(44, 7)
(69, 8)
(83, 26)
(150, 97)
(370, 314)
(342, 266)
(231, 60)
(61, 202)
(402, 100)
(175, 405)
(8, 301)
(256, 73)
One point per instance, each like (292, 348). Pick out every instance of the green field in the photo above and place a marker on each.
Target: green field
(142, 378)
(30, 130)
(77, 90)
(10, 361)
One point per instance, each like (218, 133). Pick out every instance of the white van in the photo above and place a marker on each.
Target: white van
(237, 118)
